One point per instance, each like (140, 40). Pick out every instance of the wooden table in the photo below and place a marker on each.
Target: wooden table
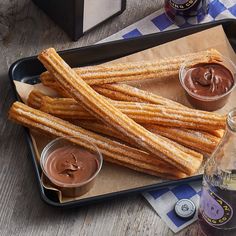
(24, 31)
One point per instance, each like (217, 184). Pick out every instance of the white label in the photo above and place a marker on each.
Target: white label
(96, 11)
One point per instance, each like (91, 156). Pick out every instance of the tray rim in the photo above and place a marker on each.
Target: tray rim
(98, 198)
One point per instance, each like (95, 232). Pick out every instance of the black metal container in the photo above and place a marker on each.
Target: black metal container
(76, 17)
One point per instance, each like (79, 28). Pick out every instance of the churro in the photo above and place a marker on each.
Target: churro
(101, 128)
(121, 92)
(102, 109)
(35, 99)
(211, 136)
(168, 175)
(113, 150)
(125, 92)
(199, 141)
(218, 133)
(142, 113)
(156, 69)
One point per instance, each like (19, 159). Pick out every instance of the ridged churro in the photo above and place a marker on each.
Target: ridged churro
(137, 167)
(101, 128)
(35, 98)
(218, 133)
(120, 72)
(121, 92)
(125, 92)
(215, 133)
(68, 108)
(102, 109)
(113, 151)
(198, 141)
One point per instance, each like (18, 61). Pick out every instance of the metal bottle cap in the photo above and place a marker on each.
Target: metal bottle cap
(185, 208)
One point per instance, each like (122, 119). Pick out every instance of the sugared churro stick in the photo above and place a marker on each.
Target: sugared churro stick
(105, 111)
(68, 108)
(143, 170)
(199, 141)
(132, 94)
(35, 99)
(101, 128)
(139, 168)
(113, 151)
(121, 92)
(124, 92)
(217, 133)
(120, 72)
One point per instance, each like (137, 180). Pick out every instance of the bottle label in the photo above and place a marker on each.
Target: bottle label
(214, 209)
(182, 4)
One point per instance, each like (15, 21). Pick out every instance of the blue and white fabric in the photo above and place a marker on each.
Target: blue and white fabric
(164, 199)
(158, 21)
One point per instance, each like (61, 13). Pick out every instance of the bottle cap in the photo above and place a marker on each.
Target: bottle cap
(185, 208)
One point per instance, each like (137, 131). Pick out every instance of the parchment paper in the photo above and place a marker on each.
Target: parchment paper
(114, 178)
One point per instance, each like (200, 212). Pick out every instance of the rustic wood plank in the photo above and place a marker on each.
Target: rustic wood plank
(24, 31)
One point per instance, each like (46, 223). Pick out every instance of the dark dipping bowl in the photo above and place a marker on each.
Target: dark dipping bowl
(73, 189)
(208, 103)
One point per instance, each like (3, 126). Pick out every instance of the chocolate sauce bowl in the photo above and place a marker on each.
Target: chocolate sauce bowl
(69, 167)
(209, 85)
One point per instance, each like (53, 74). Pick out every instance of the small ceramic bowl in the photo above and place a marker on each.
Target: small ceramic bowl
(205, 102)
(73, 189)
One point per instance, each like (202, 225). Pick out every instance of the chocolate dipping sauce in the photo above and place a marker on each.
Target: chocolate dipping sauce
(71, 165)
(209, 80)
(207, 84)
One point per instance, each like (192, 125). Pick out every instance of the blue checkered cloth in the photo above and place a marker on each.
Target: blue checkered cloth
(158, 21)
(163, 200)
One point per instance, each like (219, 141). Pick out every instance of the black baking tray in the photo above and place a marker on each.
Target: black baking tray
(28, 70)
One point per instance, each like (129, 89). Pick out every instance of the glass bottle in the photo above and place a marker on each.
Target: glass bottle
(217, 211)
(179, 11)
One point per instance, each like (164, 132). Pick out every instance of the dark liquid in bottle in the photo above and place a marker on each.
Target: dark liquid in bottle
(180, 10)
(217, 213)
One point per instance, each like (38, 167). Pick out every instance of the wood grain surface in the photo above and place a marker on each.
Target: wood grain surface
(25, 31)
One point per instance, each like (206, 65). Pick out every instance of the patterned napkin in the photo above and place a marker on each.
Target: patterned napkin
(164, 199)
(158, 21)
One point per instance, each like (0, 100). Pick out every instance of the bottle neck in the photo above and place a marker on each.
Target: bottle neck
(220, 168)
